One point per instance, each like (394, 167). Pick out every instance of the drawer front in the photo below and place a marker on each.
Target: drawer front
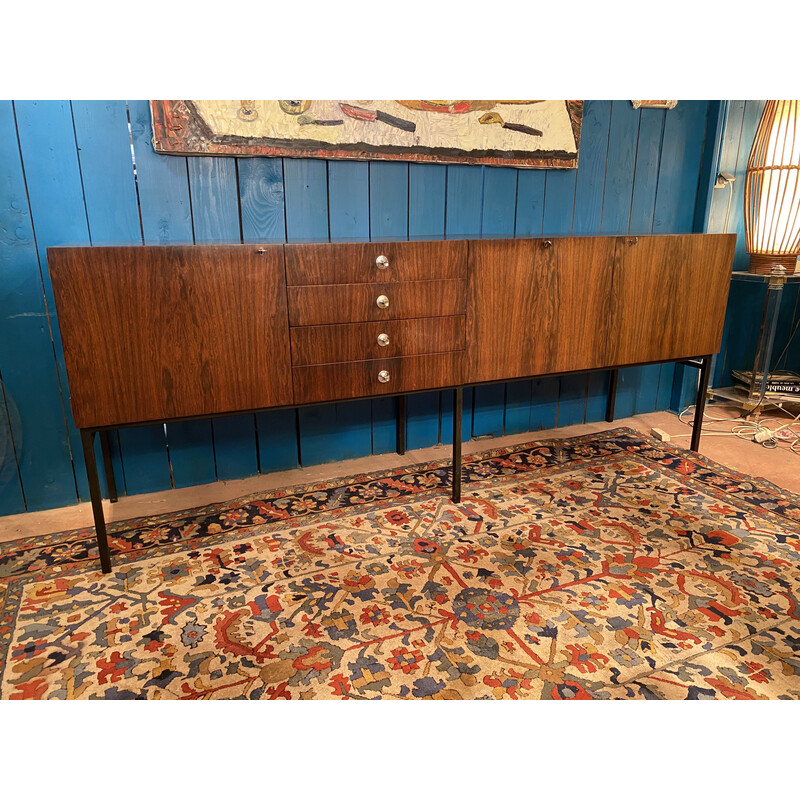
(386, 262)
(361, 378)
(323, 344)
(358, 302)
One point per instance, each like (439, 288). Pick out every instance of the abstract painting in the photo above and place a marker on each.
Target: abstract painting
(522, 133)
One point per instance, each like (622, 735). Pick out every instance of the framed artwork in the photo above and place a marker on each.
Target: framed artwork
(668, 104)
(522, 133)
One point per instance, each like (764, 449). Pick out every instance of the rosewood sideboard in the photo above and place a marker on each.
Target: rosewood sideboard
(163, 333)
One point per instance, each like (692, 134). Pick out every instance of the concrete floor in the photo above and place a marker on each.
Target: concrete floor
(780, 466)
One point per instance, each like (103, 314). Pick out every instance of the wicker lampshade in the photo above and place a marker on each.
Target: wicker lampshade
(772, 189)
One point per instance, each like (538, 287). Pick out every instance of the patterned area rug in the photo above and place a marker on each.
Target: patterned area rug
(605, 566)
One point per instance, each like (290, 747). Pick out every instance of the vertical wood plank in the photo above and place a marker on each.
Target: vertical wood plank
(263, 219)
(348, 215)
(617, 198)
(12, 500)
(519, 398)
(678, 175)
(530, 203)
(559, 202)
(499, 203)
(572, 399)
(665, 381)
(427, 185)
(597, 387)
(709, 168)
(559, 207)
(214, 191)
(529, 215)
(463, 213)
(620, 171)
(648, 158)
(729, 153)
(214, 194)
(58, 215)
(676, 199)
(27, 363)
(463, 219)
(109, 187)
(388, 221)
(645, 184)
(590, 182)
(112, 206)
(497, 222)
(719, 217)
(752, 115)
(305, 185)
(544, 411)
(590, 179)
(388, 200)
(165, 208)
(262, 199)
(306, 196)
(348, 201)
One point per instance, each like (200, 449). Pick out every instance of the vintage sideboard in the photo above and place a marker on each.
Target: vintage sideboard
(162, 333)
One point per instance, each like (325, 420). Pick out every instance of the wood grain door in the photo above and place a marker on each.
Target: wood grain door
(669, 296)
(537, 306)
(175, 331)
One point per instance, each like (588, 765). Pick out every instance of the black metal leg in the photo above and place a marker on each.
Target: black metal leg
(458, 401)
(105, 446)
(700, 406)
(612, 396)
(87, 439)
(401, 424)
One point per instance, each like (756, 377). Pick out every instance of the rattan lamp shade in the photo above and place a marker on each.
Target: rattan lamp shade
(772, 189)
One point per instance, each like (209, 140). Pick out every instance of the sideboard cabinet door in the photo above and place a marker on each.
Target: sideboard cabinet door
(175, 331)
(669, 296)
(537, 306)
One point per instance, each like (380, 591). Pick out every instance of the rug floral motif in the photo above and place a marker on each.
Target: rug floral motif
(606, 566)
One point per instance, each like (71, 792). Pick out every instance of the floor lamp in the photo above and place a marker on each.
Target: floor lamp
(772, 190)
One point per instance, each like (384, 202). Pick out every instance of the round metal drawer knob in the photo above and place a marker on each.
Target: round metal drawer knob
(383, 301)
(381, 262)
(383, 339)
(383, 376)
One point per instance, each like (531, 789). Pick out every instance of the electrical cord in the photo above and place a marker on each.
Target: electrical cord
(728, 212)
(758, 431)
(785, 349)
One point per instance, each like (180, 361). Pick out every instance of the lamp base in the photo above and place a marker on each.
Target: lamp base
(763, 264)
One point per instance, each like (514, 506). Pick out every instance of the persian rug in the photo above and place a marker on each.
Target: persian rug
(605, 566)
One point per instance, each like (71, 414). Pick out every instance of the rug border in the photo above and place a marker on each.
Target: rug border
(361, 477)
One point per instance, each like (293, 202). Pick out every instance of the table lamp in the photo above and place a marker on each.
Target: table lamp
(772, 190)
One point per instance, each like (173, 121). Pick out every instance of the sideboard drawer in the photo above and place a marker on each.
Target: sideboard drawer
(384, 262)
(359, 302)
(364, 378)
(358, 341)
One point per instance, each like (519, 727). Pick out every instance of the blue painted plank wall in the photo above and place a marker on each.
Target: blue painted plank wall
(745, 303)
(68, 177)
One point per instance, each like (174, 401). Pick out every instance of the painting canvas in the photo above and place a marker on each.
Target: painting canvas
(523, 133)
